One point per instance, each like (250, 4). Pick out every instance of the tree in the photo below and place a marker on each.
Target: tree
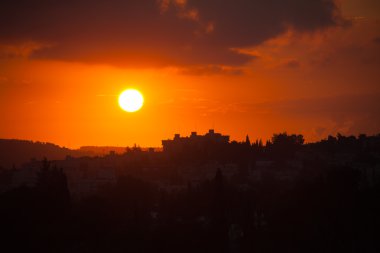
(284, 146)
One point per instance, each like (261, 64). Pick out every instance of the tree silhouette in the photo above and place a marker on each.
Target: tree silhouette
(284, 146)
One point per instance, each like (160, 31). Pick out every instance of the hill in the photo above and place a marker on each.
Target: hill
(17, 152)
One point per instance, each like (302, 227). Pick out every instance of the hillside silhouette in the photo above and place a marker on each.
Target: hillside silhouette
(17, 152)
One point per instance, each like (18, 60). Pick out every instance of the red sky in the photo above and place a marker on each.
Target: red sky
(241, 67)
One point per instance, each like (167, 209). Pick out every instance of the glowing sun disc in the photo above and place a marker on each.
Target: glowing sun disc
(131, 100)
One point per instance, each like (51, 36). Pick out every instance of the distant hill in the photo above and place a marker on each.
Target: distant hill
(17, 152)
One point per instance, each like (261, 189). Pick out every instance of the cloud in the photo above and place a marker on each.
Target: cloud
(354, 47)
(157, 32)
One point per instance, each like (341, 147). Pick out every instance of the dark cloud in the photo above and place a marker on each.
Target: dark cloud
(157, 32)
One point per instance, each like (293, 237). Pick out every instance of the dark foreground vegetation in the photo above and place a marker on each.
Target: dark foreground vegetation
(328, 206)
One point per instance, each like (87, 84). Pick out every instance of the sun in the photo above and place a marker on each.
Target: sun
(131, 100)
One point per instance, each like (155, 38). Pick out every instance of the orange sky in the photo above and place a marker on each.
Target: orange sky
(313, 81)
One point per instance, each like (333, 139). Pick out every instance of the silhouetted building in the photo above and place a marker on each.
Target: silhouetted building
(194, 141)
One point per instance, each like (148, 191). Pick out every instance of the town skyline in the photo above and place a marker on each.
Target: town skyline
(200, 193)
(185, 135)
